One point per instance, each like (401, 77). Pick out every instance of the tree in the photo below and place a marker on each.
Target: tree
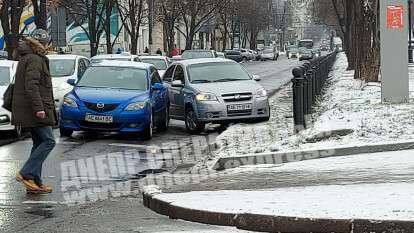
(40, 13)
(132, 13)
(169, 15)
(89, 15)
(10, 14)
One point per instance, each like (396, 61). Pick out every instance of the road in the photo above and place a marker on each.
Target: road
(85, 168)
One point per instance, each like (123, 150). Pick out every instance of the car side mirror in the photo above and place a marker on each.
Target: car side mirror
(257, 77)
(177, 83)
(71, 82)
(158, 87)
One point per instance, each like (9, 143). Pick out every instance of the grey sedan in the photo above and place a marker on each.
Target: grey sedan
(214, 91)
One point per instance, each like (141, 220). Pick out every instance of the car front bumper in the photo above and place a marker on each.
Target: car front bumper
(217, 111)
(123, 121)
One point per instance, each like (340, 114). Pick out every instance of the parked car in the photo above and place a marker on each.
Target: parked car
(234, 55)
(7, 73)
(246, 55)
(268, 54)
(195, 54)
(115, 57)
(289, 48)
(116, 96)
(253, 54)
(305, 54)
(294, 53)
(62, 68)
(221, 55)
(214, 91)
(160, 62)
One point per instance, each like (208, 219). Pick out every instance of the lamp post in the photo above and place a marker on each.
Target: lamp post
(410, 46)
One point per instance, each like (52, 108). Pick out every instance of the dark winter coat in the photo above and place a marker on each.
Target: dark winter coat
(33, 89)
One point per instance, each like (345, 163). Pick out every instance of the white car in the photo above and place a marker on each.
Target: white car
(160, 62)
(115, 57)
(63, 68)
(7, 73)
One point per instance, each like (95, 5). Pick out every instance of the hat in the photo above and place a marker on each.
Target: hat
(40, 35)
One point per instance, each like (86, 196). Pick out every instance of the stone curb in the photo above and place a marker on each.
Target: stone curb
(296, 156)
(267, 223)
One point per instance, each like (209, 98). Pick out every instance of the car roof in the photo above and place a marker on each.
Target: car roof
(7, 63)
(103, 56)
(63, 56)
(138, 65)
(203, 61)
(153, 57)
(198, 50)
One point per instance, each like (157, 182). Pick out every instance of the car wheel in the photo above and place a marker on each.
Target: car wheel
(165, 121)
(149, 129)
(17, 132)
(191, 122)
(65, 132)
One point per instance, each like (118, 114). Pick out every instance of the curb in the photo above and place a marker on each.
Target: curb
(296, 156)
(267, 223)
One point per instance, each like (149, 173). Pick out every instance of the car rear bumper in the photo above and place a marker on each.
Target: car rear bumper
(218, 112)
(123, 122)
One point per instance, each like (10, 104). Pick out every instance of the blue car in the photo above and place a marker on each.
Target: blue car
(116, 96)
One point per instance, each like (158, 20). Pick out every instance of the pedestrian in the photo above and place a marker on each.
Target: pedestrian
(119, 51)
(33, 107)
(146, 50)
(174, 51)
(159, 52)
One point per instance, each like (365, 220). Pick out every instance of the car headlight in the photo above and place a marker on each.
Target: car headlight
(136, 106)
(261, 92)
(206, 97)
(69, 102)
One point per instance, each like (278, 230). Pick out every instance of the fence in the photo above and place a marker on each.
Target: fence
(308, 83)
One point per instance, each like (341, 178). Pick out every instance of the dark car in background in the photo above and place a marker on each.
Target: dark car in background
(233, 55)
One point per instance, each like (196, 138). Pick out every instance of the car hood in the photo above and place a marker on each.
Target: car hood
(106, 95)
(161, 72)
(221, 88)
(60, 83)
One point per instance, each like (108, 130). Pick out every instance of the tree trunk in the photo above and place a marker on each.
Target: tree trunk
(108, 13)
(40, 13)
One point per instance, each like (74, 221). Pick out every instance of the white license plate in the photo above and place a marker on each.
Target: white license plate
(99, 119)
(239, 107)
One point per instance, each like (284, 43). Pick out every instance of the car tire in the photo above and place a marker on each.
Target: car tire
(165, 120)
(65, 132)
(191, 123)
(149, 129)
(17, 132)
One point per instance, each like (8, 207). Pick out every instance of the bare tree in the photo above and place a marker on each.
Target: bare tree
(133, 13)
(169, 14)
(10, 14)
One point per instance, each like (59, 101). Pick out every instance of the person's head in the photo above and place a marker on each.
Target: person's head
(40, 35)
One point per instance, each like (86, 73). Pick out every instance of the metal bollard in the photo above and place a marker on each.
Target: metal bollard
(298, 99)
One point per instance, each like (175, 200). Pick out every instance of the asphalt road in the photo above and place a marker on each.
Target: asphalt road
(86, 170)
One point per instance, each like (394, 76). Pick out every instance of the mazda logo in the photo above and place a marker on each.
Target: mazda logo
(100, 105)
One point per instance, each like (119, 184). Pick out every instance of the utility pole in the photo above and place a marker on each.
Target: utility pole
(150, 24)
(410, 31)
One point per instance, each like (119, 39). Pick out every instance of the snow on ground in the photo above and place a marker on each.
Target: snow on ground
(347, 104)
(387, 198)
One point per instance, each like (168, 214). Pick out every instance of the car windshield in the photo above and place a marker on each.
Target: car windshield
(216, 72)
(62, 67)
(198, 54)
(4, 76)
(160, 64)
(114, 77)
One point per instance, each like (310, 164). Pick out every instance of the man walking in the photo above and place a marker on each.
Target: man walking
(33, 107)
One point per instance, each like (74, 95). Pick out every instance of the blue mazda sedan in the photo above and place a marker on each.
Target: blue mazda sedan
(116, 96)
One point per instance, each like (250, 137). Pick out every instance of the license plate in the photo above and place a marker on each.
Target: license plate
(99, 119)
(239, 107)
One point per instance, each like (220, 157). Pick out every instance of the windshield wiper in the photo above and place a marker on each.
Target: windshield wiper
(201, 81)
(229, 80)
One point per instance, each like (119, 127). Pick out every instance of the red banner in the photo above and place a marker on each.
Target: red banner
(395, 17)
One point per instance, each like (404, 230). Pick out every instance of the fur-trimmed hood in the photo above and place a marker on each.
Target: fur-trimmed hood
(31, 46)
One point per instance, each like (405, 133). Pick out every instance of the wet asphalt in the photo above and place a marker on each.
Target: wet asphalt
(82, 174)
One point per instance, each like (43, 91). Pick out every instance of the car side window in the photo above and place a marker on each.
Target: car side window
(87, 62)
(155, 77)
(168, 76)
(179, 74)
(81, 67)
(136, 59)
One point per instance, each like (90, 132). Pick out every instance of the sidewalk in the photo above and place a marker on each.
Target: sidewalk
(333, 191)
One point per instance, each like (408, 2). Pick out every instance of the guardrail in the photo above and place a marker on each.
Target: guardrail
(308, 82)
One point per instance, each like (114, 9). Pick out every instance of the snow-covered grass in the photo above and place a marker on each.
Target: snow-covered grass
(347, 104)
(381, 188)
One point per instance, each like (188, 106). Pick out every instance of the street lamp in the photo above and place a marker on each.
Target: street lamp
(410, 46)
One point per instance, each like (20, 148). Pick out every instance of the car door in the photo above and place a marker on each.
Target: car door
(177, 94)
(157, 95)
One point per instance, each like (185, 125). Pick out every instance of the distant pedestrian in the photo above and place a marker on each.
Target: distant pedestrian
(119, 51)
(146, 50)
(174, 51)
(159, 52)
(33, 107)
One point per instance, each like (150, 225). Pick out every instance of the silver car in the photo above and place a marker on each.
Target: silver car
(214, 91)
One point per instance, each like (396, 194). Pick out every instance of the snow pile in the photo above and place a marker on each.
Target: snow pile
(350, 113)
